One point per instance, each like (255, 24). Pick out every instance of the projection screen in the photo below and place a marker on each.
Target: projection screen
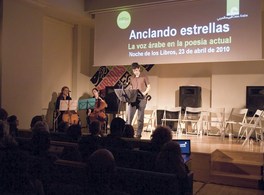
(180, 32)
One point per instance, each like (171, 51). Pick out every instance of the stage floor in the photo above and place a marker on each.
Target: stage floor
(208, 144)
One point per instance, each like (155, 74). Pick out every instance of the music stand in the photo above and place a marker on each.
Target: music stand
(65, 105)
(86, 104)
(127, 95)
(68, 105)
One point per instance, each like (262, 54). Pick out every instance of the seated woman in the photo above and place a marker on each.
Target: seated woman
(98, 113)
(169, 160)
(160, 136)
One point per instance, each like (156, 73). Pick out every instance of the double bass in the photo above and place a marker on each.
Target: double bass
(70, 117)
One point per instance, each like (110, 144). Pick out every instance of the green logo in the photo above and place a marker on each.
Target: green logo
(123, 20)
(232, 7)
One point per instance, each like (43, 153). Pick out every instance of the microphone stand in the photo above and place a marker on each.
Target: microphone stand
(55, 120)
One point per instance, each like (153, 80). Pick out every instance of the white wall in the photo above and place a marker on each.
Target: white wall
(41, 54)
(229, 91)
(22, 61)
(168, 90)
(57, 62)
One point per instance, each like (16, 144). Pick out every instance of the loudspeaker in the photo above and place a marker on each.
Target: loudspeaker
(254, 99)
(111, 100)
(190, 96)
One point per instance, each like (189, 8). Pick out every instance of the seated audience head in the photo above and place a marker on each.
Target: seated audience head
(13, 124)
(128, 131)
(95, 128)
(6, 141)
(117, 127)
(63, 127)
(74, 131)
(3, 114)
(40, 138)
(169, 159)
(12, 120)
(3, 117)
(161, 135)
(2, 131)
(35, 119)
(101, 166)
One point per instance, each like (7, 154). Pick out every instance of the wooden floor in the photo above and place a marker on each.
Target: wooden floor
(208, 144)
(200, 188)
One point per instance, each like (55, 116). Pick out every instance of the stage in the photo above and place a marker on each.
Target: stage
(208, 144)
(224, 161)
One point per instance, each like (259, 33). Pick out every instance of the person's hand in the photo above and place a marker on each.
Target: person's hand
(89, 112)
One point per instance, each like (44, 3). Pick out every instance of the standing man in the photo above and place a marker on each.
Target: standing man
(140, 82)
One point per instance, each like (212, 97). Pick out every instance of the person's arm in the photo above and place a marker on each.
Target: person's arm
(148, 86)
(147, 90)
(89, 111)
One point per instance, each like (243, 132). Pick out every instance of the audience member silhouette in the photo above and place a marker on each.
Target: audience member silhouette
(36, 119)
(95, 129)
(3, 117)
(42, 161)
(13, 124)
(159, 137)
(3, 114)
(63, 127)
(114, 139)
(169, 160)
(15, 178)
(73, 134)
(90, 143)
(128, 131)
(101, 169)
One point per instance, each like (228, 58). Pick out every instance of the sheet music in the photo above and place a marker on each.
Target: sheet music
(68, 105)
(85, 104)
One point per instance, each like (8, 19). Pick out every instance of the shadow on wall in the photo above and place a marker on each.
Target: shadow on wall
(51, 108)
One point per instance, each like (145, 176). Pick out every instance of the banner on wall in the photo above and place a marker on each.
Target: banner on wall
(116, 76)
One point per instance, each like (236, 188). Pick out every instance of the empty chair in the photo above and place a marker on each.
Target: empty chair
(254, 124)
(172, 118)
(236, 119)
(214, 121)
(193, 119)
(150, 119)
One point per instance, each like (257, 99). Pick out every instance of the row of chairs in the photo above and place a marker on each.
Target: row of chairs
(210, 121)
(196, 120)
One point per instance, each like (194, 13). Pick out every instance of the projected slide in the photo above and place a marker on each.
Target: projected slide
(180, 32)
